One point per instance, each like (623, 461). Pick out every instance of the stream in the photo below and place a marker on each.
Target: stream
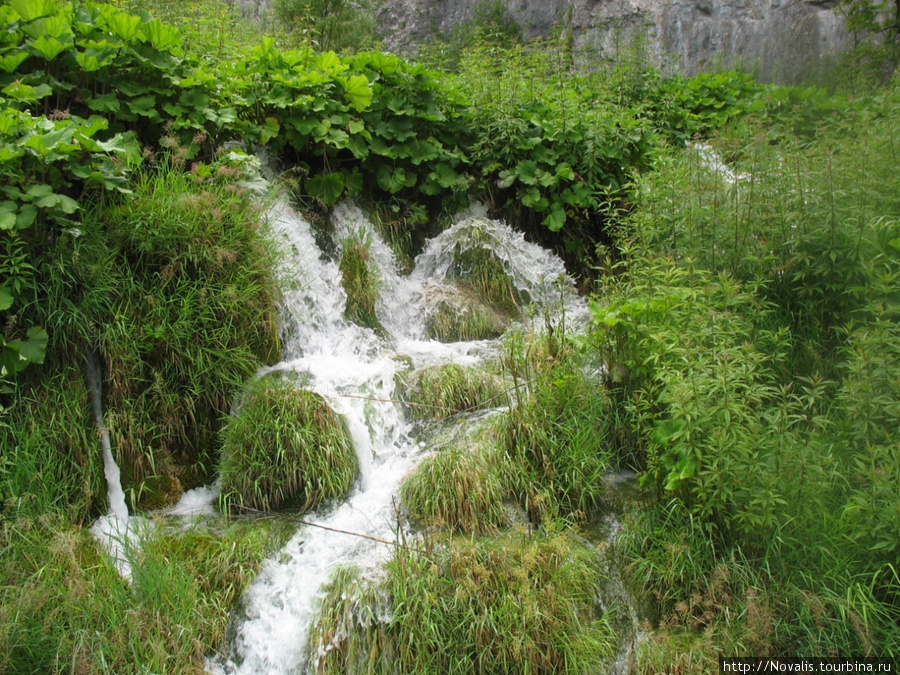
(355, 369)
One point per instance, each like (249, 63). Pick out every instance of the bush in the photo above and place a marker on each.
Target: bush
(286, 448)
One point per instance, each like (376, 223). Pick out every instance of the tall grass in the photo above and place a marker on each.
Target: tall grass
(285, 447)
(64, 608)
(516, 604)
(751, 333)
(360, 279)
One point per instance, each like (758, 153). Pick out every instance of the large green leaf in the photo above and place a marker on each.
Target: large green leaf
(124, 25)
(357, 90)
(30, 10)
(48, 47)
(6, 298)
(8, 215)
(161, 35)
(328, 187)
(12, 60)
(34, 348)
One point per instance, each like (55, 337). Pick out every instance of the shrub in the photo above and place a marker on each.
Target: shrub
(286, 448)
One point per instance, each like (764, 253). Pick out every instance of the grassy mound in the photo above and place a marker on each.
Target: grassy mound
(518, 604)
(456, 489)
(438, 392)
(555, 435)
(286, 448)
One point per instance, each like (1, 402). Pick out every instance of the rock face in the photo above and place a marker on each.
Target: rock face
(779, 40)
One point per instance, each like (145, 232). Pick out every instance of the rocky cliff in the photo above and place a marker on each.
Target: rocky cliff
(779, 40)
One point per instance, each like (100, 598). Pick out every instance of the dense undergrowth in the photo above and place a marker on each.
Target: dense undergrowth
(746, 320)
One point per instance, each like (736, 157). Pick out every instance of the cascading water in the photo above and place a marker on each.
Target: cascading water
(117, 530)
(354, 369)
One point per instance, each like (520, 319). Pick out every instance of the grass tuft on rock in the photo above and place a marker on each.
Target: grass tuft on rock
(360, 279)
(286, 448)
(438, 392)
(456, 489)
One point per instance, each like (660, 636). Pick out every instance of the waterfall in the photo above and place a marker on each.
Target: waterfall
(354, 368)
(117, 531)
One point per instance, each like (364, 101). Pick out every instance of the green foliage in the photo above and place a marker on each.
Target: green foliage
(515, 604)
(460, 315)
(328, 25)
(286, 447)
(490, 26)
(748, 332)
(876, 28)
(98, 623)
(175, 289)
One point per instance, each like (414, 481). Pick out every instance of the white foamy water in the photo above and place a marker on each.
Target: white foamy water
(354, 369)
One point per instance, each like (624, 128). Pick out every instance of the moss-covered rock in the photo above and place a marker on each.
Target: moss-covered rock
(286, 448)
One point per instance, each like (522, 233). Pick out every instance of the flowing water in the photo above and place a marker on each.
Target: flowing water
(354, 368)
(117, 531)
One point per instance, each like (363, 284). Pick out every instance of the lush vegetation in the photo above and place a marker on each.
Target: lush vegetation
(285, 447)
(742, 357)
(520, 603)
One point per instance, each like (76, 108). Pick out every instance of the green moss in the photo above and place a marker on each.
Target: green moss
(286, 448)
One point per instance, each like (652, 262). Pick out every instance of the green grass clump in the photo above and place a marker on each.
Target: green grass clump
(438, 392)
(556, 433)
(360, 279)
(286, 448)
(64, 608)
(485, 274)
(456, 489)
(351, 633)
(458, 316)
(517, 604)
(521, 603)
